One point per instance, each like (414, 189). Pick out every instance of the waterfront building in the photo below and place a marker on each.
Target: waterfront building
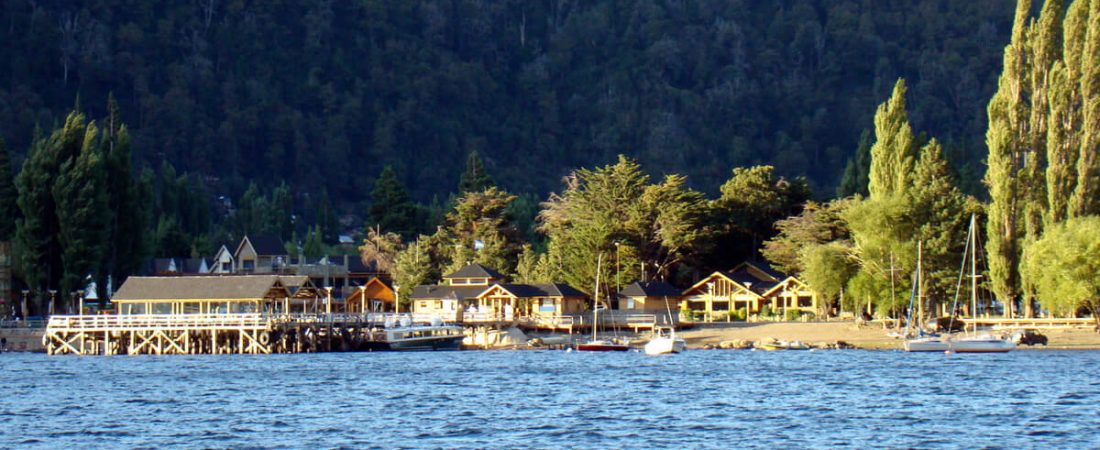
(206, 294)
(750, 286)
(260, 254)
(653, 297)
(375, 296)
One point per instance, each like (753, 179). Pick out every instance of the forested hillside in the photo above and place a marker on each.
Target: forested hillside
(323, 94)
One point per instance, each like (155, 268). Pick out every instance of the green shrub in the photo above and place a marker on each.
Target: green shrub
(766, 311)
(739, 314)
(792, 315)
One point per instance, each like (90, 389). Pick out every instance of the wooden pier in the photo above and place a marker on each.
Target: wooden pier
(190, 334)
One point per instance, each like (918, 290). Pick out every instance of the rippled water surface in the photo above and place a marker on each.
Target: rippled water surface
(720, 399)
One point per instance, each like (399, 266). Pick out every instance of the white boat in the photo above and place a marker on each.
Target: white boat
(403, 335)
(598, 344)
(961, 344)
(665, 341)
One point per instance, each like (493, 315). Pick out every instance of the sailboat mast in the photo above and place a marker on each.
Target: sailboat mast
(596, 297)
(920, 288)
(973, 267)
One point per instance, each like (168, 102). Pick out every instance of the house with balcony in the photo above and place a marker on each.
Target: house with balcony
(751, 286)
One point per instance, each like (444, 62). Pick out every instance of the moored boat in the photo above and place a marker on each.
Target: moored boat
(602, 345)
(404, 336)
(665, 341)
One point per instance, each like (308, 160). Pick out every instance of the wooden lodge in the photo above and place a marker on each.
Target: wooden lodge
(251, 314)
(751, 286)
(478, 295)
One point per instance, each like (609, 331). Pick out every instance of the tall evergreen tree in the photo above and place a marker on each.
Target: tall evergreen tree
(475, 178)
(856, 173)
(126, 220)
(9, 208)
(390, 207)
(894, 151)
(38, 230)
(81, 197)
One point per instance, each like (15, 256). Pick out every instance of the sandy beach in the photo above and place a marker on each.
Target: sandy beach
(865, 336)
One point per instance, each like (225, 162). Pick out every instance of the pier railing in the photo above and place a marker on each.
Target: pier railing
(222, 321)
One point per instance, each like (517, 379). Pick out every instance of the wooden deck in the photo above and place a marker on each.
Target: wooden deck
(183, 334)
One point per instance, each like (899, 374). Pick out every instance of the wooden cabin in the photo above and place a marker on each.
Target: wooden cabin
(749, 286)
(202, 295)
(507, 302)
(374, 296)
(476, 293)
(651, 297)
(260, 254)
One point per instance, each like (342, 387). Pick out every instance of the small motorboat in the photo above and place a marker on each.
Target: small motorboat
(665, 341)
(779, 344)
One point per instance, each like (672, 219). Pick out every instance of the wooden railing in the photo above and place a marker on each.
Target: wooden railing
(1045, 322)
(199, 321)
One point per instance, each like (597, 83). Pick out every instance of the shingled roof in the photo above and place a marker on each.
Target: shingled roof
(266, 244)
(431, 292)
(475, 270)
(650, 289)
(251, 287)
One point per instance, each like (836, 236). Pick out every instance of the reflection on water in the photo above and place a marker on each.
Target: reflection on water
(718, 399)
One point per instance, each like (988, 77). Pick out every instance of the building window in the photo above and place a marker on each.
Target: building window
(226, 267)
(248, 265)
(629, 303)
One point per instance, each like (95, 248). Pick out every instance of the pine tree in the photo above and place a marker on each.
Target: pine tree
(893, 154)
(1005, 137)
(855, 178)
(390, 207)
(81, 197)
(9, 209)
(474, 179)
(282, 211)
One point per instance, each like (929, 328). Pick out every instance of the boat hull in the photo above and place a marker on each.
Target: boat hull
(425, 344)
(664, 345)
(602, 348)
(960, 345)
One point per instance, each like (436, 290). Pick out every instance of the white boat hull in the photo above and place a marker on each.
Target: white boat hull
(961, 345)
(665, 345)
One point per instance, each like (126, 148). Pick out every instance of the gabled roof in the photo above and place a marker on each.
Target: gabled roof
(475, 270)
(434, 292)
(536, 290)
(728, 277)
(263, 244)
(650, 289)
(560, 290)
(758, 270)
(224, 249)
(237, 287)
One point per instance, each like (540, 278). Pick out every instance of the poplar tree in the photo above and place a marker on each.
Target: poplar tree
(1004, 137)
(1061, 175)
(892, 155)
(1086, 195)
(9, 209)
(1044, 40)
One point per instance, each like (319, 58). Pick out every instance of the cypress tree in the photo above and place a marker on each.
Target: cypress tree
(892, 155)
(81, 197)
(38, 230)
(474, 179)
(9, 209)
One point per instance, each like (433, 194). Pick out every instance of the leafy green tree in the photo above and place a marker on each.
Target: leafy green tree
(390, 207)
(475, 178)
(828, 268)
(1086, 194)
(480, 230)
(1064, 266)
(894, 151)
(415, 266)
(881, 232)
(314, 246)
(9, 208)
(816, 224)
(751, 201)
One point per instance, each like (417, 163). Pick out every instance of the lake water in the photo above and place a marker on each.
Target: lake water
(699, 399)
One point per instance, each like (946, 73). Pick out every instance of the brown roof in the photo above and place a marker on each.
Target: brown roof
(236, 287)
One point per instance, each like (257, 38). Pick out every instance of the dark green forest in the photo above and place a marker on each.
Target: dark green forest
(323, 94)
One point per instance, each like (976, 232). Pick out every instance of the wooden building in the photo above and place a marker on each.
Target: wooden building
(374, 296)
(260, 254)
(478, 294)
(202, 295)
(653, 297)
(750, 286)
